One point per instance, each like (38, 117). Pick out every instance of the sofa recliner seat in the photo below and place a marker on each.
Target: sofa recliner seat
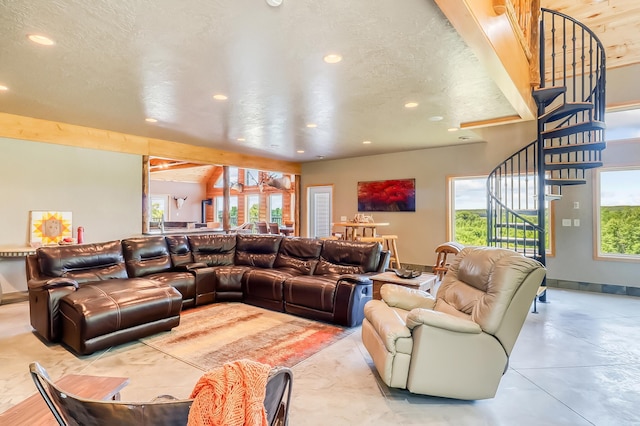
(97, 316)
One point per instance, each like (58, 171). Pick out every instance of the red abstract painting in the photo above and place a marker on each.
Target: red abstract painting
(395, 195)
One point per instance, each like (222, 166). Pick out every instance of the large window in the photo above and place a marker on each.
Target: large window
(253, 208)
(275, 208)
(468, 210)
(233, 178)
(467, 215)
(251, 177)
(233, 210)
(618, 212)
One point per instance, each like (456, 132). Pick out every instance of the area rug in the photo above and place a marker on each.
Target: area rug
(209, 336)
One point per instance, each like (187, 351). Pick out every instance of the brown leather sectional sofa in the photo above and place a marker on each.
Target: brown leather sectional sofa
(93, 296)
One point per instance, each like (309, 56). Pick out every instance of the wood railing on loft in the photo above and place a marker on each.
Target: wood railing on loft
(524, 16)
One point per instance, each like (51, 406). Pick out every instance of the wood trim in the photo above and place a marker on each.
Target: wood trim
(34, 129)
(491, 38)
(146, 214)
(492, 122)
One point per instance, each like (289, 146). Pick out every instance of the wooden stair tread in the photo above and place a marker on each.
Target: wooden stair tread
(586, 146)
(573, 129)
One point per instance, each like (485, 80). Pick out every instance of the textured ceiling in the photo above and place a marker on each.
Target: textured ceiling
(117, 62)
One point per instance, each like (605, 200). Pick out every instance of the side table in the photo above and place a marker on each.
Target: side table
(424, 282)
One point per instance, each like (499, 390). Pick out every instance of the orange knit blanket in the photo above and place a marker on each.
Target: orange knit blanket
(231, 395)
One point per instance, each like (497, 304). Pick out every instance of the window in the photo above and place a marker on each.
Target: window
(275, 208)
(159, 208)
(618, 212)
(467, 215)
(233, 210)
(233, 177)
(251, 177)
(253, 208)
(468, 210)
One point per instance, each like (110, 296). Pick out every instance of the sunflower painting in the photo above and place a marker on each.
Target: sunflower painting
(49, 227)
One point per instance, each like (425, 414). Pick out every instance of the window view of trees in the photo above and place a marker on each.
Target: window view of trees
(469, 219)
(619, 222)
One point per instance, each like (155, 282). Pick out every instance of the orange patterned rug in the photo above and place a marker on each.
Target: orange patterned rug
(211, 335)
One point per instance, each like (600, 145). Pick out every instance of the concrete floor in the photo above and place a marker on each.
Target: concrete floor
(577, 362)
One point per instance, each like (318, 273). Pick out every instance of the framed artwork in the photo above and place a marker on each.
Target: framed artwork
(395, 195)
(49, 227)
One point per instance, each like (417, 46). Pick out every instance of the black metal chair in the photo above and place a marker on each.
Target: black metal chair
(69, 409)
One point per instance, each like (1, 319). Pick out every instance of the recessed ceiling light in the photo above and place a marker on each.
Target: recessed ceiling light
(3, 88)
(332, 58)
(220, 97)
(464, 138)
(436, 118)
(411, 105)
(312, 125)
(40, 39)
(453, 129)
(241, 139)
(150, 120)
(274, 3)
(366, 142)
(300, 151)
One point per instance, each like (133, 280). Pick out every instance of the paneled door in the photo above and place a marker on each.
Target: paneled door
(319, 211)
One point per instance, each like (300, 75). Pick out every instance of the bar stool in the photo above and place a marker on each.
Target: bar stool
(390, 244)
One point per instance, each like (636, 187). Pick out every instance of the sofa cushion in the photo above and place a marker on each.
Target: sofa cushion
(184, 282)
(83, 262)
(179, 250)
(146, 255)
(263, 284)
(257, 250)
(348, 257)
(213, 249)
(298, 255)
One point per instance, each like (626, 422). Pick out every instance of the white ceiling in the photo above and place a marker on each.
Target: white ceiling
(117, 62)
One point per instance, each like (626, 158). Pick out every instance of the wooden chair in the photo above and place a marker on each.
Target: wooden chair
(274, 228)
(262, 227)
(443, 250)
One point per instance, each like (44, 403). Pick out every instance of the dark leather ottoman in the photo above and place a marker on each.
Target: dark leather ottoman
(106, 313)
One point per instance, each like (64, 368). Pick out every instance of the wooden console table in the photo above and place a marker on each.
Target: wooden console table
(33, 411)
(424, 282)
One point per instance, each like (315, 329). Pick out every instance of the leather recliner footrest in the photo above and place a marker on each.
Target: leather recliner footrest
(111, 312)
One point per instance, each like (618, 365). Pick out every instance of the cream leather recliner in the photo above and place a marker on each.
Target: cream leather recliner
(456, 345)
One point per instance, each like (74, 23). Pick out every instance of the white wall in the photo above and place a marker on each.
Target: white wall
(421, 232)
(191, 210)
(102, 189)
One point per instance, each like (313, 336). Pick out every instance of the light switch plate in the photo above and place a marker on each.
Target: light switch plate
(576, 222)
(566, 222)
(343, 218)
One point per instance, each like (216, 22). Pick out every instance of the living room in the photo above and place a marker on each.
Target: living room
(102, 187)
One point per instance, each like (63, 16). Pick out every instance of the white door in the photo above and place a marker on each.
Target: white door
(319, 211)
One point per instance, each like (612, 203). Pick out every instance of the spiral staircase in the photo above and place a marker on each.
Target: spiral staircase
(571, 106)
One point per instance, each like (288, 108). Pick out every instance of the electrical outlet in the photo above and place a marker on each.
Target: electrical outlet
(566, 222)
(576, 222)
(343, 218)
(576, 205)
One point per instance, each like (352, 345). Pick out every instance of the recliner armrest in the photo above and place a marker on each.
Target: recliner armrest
(441, 320)
(387, 323)
(398, 296)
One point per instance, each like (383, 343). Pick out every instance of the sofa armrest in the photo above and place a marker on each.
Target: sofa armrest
(188, 267)
(60, 282)
(51, 283)
(441, 320)
(358, 279)
(398, 296)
